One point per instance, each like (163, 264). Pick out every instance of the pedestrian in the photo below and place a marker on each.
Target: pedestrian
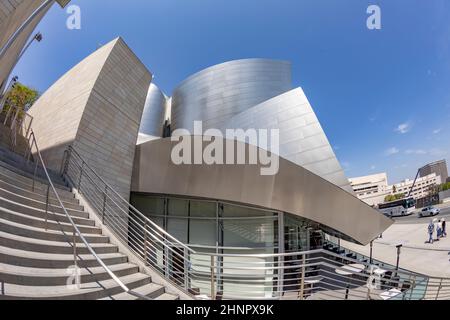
(444, 228)
(439, 229)
(430, 231)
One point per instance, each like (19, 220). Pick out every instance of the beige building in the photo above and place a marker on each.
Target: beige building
(371, 189)
(97, 108)
(421, 188)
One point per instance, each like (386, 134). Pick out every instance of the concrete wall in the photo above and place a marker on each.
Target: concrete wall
(12, 14)
(97, 106)
(444, 196)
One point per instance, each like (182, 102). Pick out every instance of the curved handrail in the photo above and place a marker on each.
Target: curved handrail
(136, 211)
(75, 227)
(211, 268)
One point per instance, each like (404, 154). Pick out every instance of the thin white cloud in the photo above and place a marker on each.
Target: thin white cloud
(436, 152)
(391, 151)
(403, 128)
(416, 151)
(373, 167)
(437, 131)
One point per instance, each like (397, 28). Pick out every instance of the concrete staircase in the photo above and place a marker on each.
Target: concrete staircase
(35, 255)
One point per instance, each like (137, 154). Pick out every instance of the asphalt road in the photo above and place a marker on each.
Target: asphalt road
(414, 218)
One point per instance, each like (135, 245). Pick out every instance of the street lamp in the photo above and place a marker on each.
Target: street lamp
(24, 25)
(399, 246)
(38, 37)
(371, 251)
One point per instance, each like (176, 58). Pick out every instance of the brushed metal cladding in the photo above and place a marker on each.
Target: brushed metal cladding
(154, 114)
(216, 94)
(294, 189)
(302, 139)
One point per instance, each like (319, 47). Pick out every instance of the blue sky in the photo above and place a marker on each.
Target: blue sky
(382, 96)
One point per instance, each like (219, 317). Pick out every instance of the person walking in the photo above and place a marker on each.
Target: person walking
(439, 230)
(444, 228)
(431, 231)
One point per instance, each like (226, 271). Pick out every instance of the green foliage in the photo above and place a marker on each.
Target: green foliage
(445, 186)
(394, 197)
(22, 97)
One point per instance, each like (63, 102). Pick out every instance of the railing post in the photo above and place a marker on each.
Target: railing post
(186, 268)
(75, 249)
(145, 244)
(213, 282)
(302, 283)
(104, 207)
(166, 259)
(79, 179)
(439, 289)
(47, 200)
(29, 128)
(29, 151)
(34, 175)
(412, 287)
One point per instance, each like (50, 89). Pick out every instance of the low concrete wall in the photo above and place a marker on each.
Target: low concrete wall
(444, 196)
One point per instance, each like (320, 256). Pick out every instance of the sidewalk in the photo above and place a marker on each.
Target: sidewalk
(416, 254)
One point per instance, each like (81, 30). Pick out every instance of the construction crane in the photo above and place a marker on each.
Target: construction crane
(414, 183)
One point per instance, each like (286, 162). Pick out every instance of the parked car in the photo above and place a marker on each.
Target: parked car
(429, 212)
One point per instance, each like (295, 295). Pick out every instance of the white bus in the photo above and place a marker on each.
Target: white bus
(398, 208)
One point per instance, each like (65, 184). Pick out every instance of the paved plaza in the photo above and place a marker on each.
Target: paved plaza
(416, 254)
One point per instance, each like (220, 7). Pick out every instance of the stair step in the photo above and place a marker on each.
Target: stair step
(27, 178)
(27, 244)
(19, 166)
(151, 290)
(167, 296)
(75, 209)
(38, 187)
(38, 195)
(58, 277)
(51, 235)
(39, 213)
(13, 216)
(88, 291)
(55, 261)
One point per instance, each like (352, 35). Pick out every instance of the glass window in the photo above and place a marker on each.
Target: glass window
(149, 206)
(178, 207)
(203, 209)
(203, 223)
(247, 227)
(252, 233)
(239, 211)
(178, 228)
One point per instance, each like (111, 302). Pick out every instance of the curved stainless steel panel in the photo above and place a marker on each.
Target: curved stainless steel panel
(302, 139)
(294, 189)
(216, 94)
(154, 114)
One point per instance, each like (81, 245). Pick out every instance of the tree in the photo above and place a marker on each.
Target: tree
(21, 97)
(394, 197)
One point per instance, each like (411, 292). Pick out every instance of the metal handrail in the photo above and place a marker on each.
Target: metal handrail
(76, 231)
(211, 270)
(71, 150)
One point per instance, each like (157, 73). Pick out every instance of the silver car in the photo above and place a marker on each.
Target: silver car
(429, 212)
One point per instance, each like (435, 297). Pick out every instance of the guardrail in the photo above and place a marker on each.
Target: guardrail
(18, 121)
(231, 273)
(76, 232)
